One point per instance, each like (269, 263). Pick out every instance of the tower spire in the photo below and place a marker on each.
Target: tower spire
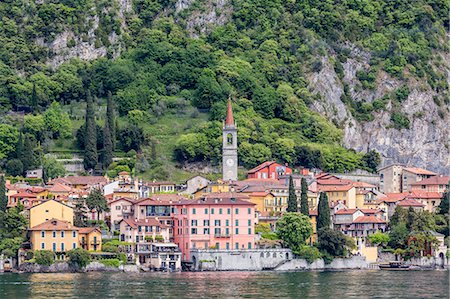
(229, 121)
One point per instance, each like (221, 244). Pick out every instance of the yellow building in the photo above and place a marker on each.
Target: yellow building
(345, 194)
(260, 199)
(90, 238)
(55, 235)
(313, 219)
(50, 209)
(61, 236)
(215, 187)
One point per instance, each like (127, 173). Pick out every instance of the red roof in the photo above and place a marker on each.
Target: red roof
(352, 211)
(227, 198)
(58, 187)
(87, 230)
(424, 195)
(260, 166)
(54, 224)
(123, 198)
(229, 121)
(80, 180)
(24, 194)
(394, 197)
(313, 213)
(333, 181)
(260, 193)
(363, 185)
(410, 203)
(124, 173)
(331, 188)
(418, 170)
(368, 219)
(435, 180)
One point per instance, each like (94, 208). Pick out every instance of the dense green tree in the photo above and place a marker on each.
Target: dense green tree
(107, 146)
(34, 102)
(304, 207)
(292, 199)
(14, 167)
(294, 229)
(97, 202)
(3, 197)
(444, 205)
(111, 119)
(28, 157)
(371, 160)
(8, 140)
(79, 211)
(398, 236)
(323, 210)
(399, 216)
(90, 150)
(379, 238)
(19, 147)
(44, 257)
(334, 243)
(132, 138)
(56, 121)
(79, 257)
(410, 218)
(52, 168)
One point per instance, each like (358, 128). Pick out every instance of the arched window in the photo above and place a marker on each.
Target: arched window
(229, 138)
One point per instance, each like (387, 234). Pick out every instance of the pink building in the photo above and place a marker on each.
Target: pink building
(219, 221)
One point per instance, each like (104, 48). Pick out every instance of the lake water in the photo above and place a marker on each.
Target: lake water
(338, 284)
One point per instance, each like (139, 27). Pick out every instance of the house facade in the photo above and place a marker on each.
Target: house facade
(220, 221)
(48, 210)
(269, 170)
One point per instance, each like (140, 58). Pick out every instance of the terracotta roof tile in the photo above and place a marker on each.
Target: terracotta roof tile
(418, 170)
(410, 203)
(435, 180)
(368, 219)
(261, 166)
(54, 224)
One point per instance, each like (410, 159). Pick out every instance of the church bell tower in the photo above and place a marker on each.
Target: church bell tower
(229, 149)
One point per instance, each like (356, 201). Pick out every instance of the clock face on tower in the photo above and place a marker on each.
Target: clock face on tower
(230, 162)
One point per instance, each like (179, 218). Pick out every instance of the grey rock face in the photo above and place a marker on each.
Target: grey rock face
(427, 142)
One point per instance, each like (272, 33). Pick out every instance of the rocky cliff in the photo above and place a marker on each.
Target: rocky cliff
(426, 143)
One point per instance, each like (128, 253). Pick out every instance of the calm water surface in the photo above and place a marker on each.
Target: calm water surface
(342, 284)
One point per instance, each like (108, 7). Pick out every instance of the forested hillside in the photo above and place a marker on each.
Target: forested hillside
(322, 84)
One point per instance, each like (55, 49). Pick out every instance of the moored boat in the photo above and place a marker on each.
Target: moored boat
(394, 266)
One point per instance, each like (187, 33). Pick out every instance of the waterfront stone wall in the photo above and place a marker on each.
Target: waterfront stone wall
(244, 260)
(267, 259)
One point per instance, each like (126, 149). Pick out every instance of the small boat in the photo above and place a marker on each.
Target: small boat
(394, 266)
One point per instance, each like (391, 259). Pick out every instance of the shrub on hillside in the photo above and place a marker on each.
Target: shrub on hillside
(79, 257)
(44, 257)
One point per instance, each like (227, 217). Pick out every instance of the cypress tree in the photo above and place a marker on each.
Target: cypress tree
(3, 197)
(304, 209)
(445, 203)
(90, 149)
(323, 218)
(28, 154)
(34, 100)
(292, 200)
(19, 147)
(111, 119)
(107, 145)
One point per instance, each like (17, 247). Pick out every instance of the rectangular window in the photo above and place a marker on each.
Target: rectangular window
(62, 234)
(74, 234)
(236, 222)
(54, 246)
(194, 211)
(217, 231)
(184, 211)
(74, 245)
(193, 231)
(249, 211)
(42, 234)
(220, 211)
(227, 222)
(249, 222)
(42, 245)
(237, 231)
(249, 231)
(216, 222)
(117, 208)
(212, 210)
(217, 246)
(227, 246)
(205, 222)
(227, 231)
(228, 211)
(237, 211)
(62, 246)
(54, 234)
(206, 231)
(236, 246)
(249, 245)
(206, 211)
(193, 222)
